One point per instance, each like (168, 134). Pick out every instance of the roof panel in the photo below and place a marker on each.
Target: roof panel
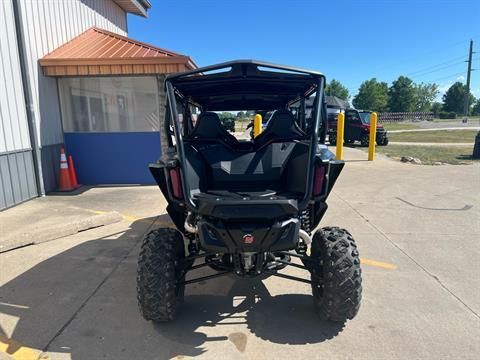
(100, 47)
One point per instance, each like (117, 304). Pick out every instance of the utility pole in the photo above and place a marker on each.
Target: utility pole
(467, 93)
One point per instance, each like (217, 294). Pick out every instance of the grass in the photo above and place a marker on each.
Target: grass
(458, 119)
(399, 126)
(440, 136)
(455, 155)
(241, 125)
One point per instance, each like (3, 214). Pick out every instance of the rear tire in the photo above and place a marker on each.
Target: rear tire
(383, 141)
(159, 272)
(365, 139)
(336, 274)
(332, 139)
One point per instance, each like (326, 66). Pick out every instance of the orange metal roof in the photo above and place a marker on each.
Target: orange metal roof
(100, 52)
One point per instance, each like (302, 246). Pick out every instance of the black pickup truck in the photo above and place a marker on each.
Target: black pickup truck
(357, 128)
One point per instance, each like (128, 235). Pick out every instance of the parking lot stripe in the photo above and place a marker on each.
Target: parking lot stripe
(379, 264)
(132, 218)
(18, 352)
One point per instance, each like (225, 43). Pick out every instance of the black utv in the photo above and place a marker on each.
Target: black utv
(247, 208)
(228, 124)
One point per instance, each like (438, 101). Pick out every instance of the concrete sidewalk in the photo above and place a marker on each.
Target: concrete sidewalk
(405, 143)
(62, 214)
(435, 129)
(417, 229)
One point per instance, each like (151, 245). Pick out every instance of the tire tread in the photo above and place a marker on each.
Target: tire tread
(158, 293)
(336, 277)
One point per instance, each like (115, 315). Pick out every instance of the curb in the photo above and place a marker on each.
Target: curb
(37, 236)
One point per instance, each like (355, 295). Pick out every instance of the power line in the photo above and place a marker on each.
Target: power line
(435, 66)
(438, 69)
(430, 52)
(448, 76)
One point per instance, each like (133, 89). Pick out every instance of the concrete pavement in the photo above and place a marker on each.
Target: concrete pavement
(74, 298)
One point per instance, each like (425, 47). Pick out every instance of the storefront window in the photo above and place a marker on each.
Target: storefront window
(110, 104)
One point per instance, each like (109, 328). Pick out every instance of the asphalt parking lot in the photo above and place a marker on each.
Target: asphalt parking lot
(417, 228)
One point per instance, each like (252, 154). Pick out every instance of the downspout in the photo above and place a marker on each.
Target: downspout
(32, 128)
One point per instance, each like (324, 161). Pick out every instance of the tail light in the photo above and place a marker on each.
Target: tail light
(176, 181)
(318, 180)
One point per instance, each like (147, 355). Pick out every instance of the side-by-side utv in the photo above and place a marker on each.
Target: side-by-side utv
(247, 208)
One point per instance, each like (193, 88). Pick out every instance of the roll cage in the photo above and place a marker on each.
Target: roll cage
(241, 84)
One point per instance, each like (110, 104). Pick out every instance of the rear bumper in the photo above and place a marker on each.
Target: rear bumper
(235, 237)
(247, 208)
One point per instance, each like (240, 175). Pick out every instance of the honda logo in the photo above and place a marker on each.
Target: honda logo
(248, 239)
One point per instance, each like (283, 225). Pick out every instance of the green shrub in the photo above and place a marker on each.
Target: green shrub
(447, 115)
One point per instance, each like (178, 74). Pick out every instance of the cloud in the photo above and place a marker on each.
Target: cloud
(461, 78)
(442, 89)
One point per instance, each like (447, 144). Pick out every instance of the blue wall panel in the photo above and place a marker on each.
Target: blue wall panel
(113, 158)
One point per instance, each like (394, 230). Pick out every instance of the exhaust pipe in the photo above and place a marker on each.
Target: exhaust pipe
(305, 237)
(188, 224)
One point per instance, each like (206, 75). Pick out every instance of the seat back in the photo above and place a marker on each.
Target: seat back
(281, 127)
(209, 128)
(278, 166)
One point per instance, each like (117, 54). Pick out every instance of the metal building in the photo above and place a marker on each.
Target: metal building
(51, 98)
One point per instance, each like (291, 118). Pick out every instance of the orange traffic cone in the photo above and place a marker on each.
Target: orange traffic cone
(73, 174)
(64, 181)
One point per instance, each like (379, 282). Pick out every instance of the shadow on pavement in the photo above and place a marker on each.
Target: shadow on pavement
(282, 319)
(63, 298)
(48, 295)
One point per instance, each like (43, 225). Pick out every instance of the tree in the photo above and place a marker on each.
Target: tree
(241, 115)
(372, 95)
(225, 115)
(402, 95)
(335, 88)
(476, 108)
(454, 98)
(436, 108)
(425, 94)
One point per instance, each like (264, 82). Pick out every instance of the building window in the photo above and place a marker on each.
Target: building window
(110, 104)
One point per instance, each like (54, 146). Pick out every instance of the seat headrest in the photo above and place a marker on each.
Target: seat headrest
(281, 126)
(209, 127)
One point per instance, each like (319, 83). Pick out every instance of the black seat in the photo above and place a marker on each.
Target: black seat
(209, 127)
(281, 127)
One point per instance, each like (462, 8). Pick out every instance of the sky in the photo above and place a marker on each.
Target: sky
(350, 41)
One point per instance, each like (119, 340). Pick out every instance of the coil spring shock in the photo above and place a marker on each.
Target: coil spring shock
(305, 219)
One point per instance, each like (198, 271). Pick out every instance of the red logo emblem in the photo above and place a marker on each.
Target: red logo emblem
(248, 239)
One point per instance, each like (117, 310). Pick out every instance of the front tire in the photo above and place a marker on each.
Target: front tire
(336, 274)
(159, 273)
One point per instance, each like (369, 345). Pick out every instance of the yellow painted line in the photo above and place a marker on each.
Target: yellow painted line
(378, 264)
(18, 352)
(14, 306)
(124, 216)
(132, 218)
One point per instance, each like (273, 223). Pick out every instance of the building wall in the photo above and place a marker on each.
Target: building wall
(17, 175)
(47, 25)
(111, 126)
